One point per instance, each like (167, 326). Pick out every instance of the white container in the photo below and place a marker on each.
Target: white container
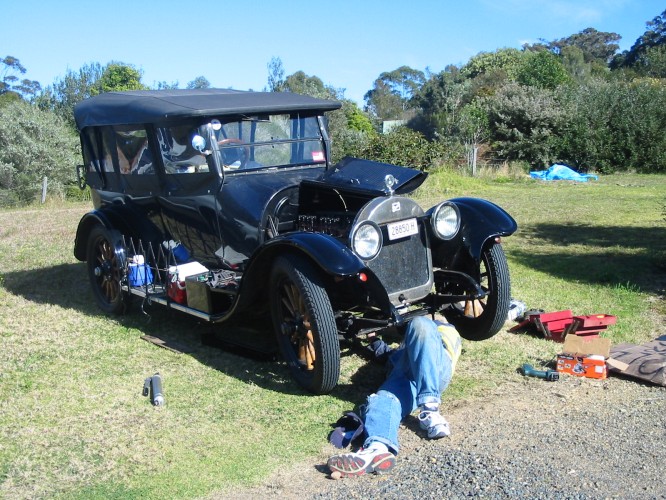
(182, 271)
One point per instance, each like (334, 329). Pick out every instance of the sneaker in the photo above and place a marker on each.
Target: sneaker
(434, 424)
(376, 458)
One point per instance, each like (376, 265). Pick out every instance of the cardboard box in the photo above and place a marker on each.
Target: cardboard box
(591, 366)
(198, 292)
(584, 357)
(201, 296)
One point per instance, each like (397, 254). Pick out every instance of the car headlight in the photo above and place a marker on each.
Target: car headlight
(366, 240)
(445, 220)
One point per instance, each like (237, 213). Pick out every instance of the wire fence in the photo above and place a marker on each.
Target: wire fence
(38, 194)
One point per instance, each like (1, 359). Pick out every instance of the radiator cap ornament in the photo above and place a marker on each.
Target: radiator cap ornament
(389, 182)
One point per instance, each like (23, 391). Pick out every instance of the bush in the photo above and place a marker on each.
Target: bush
(523, 123)
(405, 147)
(614, 126)
(349, 142)
(35, 144)
(74, 193)
(542, 69)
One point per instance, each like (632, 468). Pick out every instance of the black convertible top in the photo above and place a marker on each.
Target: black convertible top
(147, 106)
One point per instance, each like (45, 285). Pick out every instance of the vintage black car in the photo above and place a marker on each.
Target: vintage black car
(220, 202)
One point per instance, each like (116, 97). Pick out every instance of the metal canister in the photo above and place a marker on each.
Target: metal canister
(156, 394)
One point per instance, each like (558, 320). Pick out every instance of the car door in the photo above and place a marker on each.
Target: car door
(188, 198)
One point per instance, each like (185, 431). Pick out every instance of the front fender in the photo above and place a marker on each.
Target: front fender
(328, 253)
(480, 221)
(334, 258)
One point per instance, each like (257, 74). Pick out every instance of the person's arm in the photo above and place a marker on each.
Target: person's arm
(379, 350)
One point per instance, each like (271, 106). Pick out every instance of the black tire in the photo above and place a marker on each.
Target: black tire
(105, 258)
(304, 324)
(481, 319)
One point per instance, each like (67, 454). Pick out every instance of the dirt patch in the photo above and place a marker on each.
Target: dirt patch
(575, 437)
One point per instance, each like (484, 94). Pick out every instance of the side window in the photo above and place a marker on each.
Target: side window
(94, 156)
(177, 152)
(91, 156)
(108, 147)
(133, 153)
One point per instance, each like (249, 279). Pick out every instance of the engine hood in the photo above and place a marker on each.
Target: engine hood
(367, 177)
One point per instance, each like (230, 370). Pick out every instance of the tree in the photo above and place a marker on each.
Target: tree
(654, 36)
(473, 124)
(118, 76)
(652, 63)
(543, 70)
(200, 82)
(507, 60)
(356, 119)
(574, 63)
(275, 75)
(90, 80)
(300, 83)
(404, 81)
(440, 101)
(164, 85)
(349, 127)
(33, 144)
(595, 45)
(382, 103)
(392, 92)
(62, 96)
(11, 84)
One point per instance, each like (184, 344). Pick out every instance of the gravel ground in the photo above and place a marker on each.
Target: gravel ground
(575, 438)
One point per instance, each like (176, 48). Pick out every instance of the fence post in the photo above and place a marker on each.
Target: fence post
(474, 154)
(44, 184)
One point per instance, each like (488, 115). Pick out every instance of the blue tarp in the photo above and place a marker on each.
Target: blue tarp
(561, 173)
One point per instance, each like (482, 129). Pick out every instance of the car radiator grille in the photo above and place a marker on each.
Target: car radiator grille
(403, 264)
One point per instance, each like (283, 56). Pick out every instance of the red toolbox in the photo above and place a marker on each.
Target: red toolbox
(557, 325)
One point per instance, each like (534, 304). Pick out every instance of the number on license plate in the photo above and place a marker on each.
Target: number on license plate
(402, 229)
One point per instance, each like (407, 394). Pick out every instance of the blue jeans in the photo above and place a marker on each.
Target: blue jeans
(420, 370)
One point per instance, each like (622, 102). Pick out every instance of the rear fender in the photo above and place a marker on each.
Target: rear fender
(128, 223)
(86, 224)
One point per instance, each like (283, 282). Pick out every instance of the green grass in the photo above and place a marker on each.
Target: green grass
(73, 422)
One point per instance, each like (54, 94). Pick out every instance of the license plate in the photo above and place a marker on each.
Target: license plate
(402, 229)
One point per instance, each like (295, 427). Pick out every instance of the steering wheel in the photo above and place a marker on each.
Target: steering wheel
(244, 151)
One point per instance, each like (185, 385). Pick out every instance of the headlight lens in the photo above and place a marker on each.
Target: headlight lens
(367, 240)
(446, 221)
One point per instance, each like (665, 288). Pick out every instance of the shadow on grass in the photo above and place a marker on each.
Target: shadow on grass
(619, 255)
(243, 347)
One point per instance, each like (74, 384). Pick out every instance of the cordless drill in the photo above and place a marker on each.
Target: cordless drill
(549, 375)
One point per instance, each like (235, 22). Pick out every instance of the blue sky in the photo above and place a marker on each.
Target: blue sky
(345, 43)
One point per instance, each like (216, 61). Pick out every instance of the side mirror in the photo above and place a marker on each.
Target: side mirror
(199, 143)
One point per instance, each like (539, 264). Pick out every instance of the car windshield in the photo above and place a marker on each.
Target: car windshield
(250, 143)
(268, 141)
